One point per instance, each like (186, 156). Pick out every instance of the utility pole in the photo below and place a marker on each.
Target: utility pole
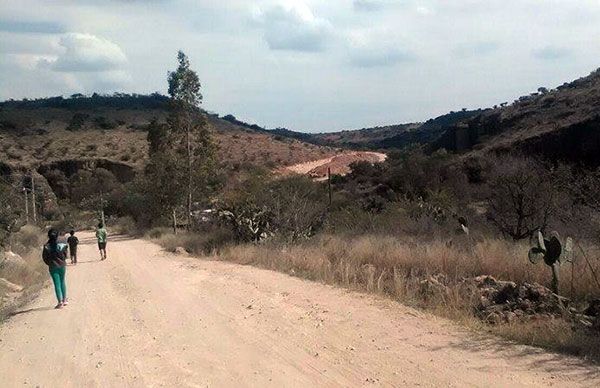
(329, 183)
(26, 204)
(33, 199)
(174, 222)
(102, 208)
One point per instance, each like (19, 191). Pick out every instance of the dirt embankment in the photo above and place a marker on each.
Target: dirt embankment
(147, 318)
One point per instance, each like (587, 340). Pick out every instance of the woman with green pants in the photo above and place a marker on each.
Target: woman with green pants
(55, 256)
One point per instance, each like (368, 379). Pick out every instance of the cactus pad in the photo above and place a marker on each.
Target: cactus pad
(536, 255)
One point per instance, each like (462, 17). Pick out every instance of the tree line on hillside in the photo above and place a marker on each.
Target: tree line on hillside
(79, 101)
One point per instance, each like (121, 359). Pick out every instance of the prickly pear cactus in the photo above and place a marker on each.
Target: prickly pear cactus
(538, 251)
(552, 252)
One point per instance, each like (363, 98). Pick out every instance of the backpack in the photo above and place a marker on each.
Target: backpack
(53, 256)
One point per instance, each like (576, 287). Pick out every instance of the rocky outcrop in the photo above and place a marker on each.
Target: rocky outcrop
(560, 124)
(7, 287)
(505, 301)
(10, 261)
(122, 171)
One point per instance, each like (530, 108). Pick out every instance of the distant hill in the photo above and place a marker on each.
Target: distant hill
(42, 131)
(557, 124)
(426, 132)
(367, 138)
(384, 137)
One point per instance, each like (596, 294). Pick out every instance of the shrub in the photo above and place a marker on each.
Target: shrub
(125, 225)
(104, 123)
(158, 232)
(290, 208)
(77, 121)
(9, 215)
(207, 242)
(28, 237)
(522, 197)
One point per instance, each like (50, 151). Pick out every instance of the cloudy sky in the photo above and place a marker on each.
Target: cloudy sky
(303, 64)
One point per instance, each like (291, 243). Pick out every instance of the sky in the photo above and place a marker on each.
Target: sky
(314, 66)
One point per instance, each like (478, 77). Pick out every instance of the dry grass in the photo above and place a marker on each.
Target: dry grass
(395, 268)
(30, 274)
(209, 242)
(347, 261)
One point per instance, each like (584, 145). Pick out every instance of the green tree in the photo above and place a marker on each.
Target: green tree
(93, 189)
(188, 134)
(163, 183)
(158, 137)
(9, 214)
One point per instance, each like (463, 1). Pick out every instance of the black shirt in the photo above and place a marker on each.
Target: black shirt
(73, 241)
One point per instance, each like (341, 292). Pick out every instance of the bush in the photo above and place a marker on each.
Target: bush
(291, 208)
(77, 121)
(9, 215)
(198, 243)
(522, 197)
(125, 225)
(88, 185)
(28, 272)
(104, 123)
(27, 238)
(158, 232)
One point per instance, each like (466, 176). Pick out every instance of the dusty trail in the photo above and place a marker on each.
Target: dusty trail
(146, 318)
(339, 164)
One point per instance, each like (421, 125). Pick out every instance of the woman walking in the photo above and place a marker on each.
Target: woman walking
(54, 255)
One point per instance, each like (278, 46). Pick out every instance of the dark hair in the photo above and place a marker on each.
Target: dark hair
(53, 238)
(72, 232)
(100, 225)
(52, 234)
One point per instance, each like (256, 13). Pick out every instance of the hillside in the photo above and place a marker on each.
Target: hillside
(396, 136)
(557, 124)
(372, 138)
(561, 123)
(39, 132)
(386, 137)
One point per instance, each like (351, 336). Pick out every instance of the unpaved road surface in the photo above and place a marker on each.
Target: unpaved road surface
(146, 318)
(338, 164)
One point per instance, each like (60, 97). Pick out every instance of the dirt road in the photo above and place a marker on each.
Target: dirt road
(338, 164)
(146, 318)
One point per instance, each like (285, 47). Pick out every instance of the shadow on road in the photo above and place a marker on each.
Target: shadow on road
(111, 239)
(527, 357)
(84, 262)
(32, 310)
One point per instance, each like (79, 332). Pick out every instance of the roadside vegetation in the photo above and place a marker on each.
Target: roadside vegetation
(398, 229)
(22, 272)
(439, 231)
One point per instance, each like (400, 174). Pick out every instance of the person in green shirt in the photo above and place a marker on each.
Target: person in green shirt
(101, 236)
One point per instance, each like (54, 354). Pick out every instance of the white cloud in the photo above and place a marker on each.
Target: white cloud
(87, 53)
(378, 5)
(375, 57)
(377, 47)
(552, 53)
(293, 26)
(368, 5)
(406, 60)
(62, 64)
(475, 49)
